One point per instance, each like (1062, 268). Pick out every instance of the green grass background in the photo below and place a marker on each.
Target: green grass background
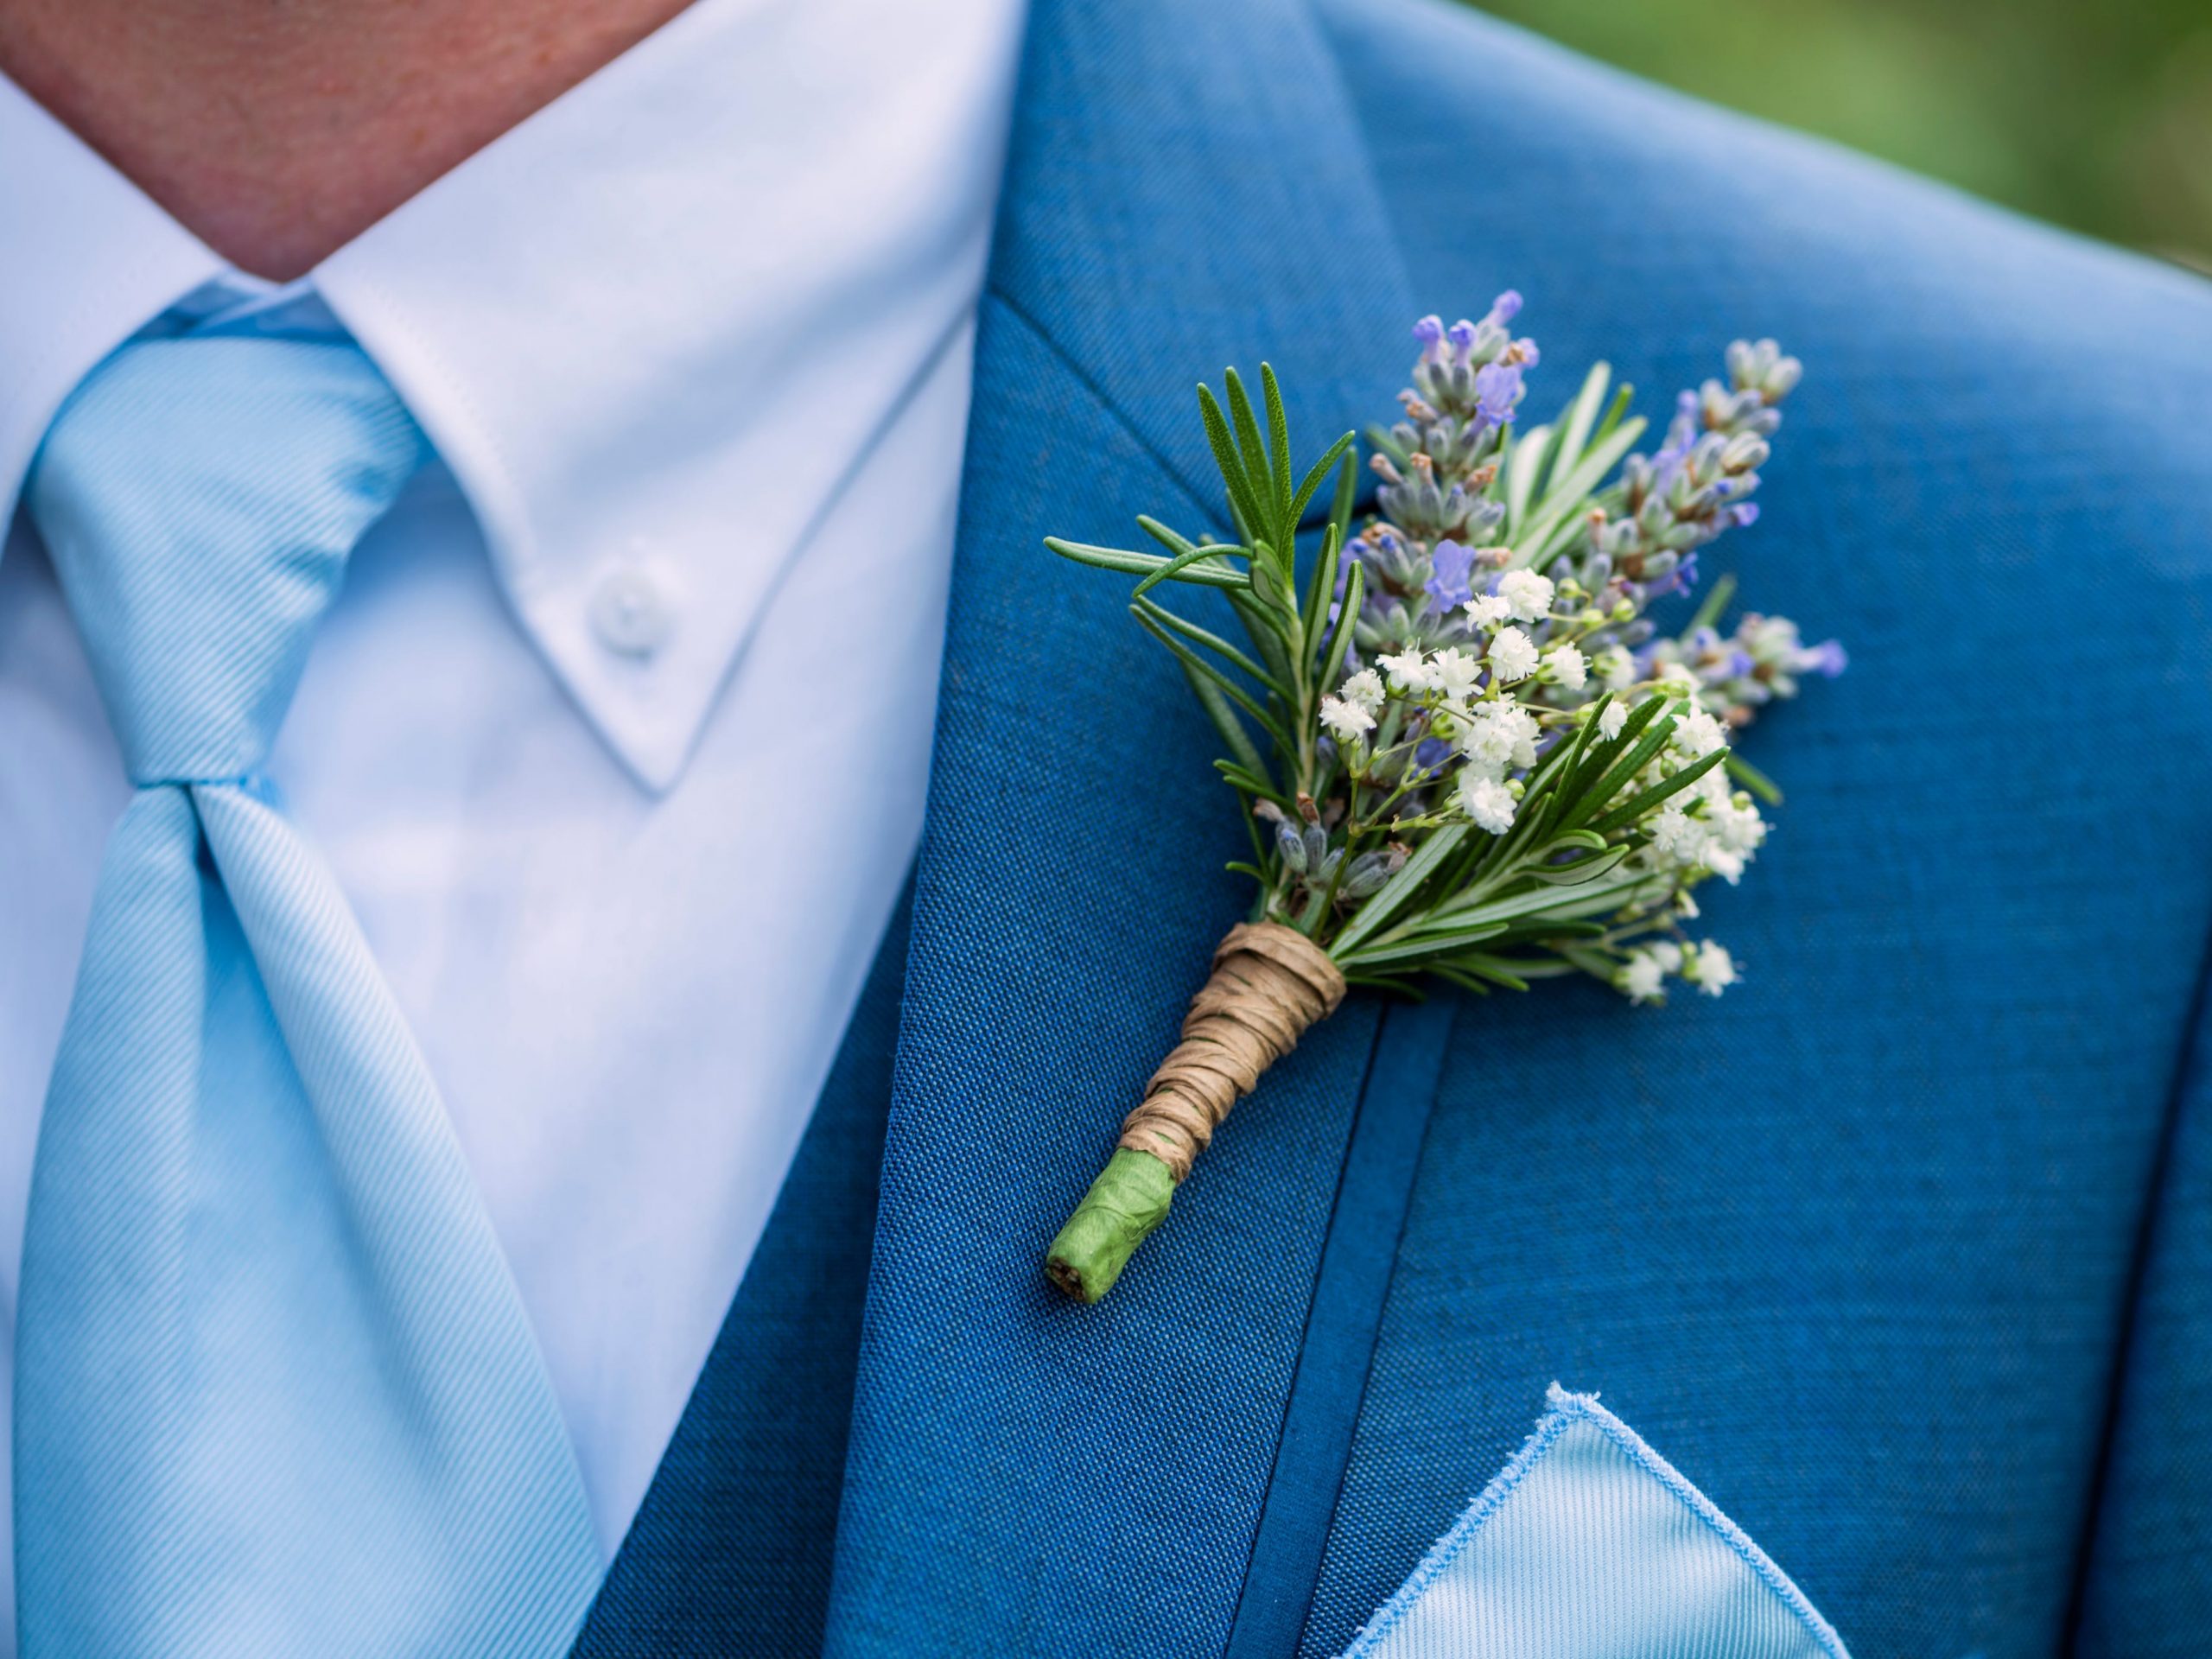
(2093, 113)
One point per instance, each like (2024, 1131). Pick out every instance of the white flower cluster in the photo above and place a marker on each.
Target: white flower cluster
(1458, 711)
(1707, 965)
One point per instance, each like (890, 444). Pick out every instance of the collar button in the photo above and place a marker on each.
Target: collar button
(632, 613)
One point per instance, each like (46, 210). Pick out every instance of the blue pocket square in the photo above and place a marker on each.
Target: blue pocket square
(1590, 1545)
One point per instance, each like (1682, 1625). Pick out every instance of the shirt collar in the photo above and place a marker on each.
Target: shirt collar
(651, 330)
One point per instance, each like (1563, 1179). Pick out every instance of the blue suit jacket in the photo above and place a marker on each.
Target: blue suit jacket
(1903, 1250)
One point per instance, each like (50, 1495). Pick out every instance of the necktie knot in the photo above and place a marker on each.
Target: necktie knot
(198, 498)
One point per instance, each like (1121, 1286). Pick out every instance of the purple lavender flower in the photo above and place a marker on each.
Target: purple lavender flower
(1497, 389)
(1827, 659)
(1669, 574)
(1450, 582)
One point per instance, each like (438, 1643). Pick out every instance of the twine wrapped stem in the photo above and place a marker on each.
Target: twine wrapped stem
(1270, 983)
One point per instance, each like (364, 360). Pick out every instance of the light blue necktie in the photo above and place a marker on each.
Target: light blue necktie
(275, 1391)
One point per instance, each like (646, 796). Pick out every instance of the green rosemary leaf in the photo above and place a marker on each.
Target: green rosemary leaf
(1339, 451)
(1380, 439)
(1622, 399)
(1546, 930)
(1266, 628)
(1563, 500)
(1330, 669)
(1318, 591)
(1640, 802)
(1251, 782)
(1225, 722)
(1194, 663)
(1416, 949)
(1233, 477)
(1494, 968)
(1521, 470)
(1592, 800)
(1278, 452)
(1251, 447)
(1346, 497)
(1604, 754)
(1753, 779)
(1583, 870)
(1579, 418)
(1174, 567)
(1213, 642)
(1551, 901)
(1117, 558)
(1445, 971)
(1716, 602)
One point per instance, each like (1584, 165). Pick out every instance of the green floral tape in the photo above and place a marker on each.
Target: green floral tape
(1127, 1200)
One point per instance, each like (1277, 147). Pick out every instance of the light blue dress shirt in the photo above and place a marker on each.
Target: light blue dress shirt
(694, 345)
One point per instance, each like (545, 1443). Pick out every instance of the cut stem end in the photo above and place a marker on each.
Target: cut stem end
(1128, 1200)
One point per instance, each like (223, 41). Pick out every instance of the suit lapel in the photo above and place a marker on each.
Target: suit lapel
(1187, 189)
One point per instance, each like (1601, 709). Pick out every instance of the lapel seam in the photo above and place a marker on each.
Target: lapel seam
(1304, 1335)
(2195, 1056)
(1104, 400)
(1252, 1628)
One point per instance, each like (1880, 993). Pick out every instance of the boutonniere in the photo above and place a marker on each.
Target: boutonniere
(1463, 750)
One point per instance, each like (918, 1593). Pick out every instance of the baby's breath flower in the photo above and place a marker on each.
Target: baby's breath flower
(1698, 734)
(1712, 970)
(1408, 669)
(1499, 734)
(1488, 610)
(1455, 673)
(1512, 655)
(1486, 747)
(1365, 691)
(1675, 835)
(1616, 668)
(1567, 666)
(1735, 823)
(1487, 801)
(1641, 977)
(1520, 725)
(1529, 593)
(1346, 720)
(1613, 717)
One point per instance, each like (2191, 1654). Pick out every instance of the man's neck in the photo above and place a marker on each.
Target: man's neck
(276, 131)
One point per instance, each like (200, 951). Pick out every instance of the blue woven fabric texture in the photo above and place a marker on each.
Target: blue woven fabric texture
(275, 1391)
(1857, 1243)
(1590, 1545)
(730, 1553)
(2145, 1593)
